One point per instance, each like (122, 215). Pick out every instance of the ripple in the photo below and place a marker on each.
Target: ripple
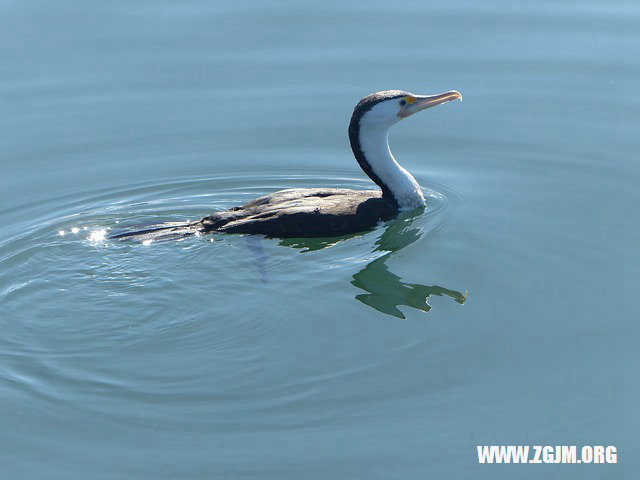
(73, 297)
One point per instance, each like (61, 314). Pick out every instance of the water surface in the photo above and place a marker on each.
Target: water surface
(502, 314)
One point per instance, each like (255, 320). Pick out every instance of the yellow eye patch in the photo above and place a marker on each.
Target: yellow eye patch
(410, 100)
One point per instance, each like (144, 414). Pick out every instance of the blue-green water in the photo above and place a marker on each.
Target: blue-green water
(239, 357)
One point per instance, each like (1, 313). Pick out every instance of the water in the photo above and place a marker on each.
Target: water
(503, 314)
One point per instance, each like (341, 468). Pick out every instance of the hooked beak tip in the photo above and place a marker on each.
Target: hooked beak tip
(423, 102)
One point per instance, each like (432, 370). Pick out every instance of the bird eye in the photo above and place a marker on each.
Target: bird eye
(403, 102)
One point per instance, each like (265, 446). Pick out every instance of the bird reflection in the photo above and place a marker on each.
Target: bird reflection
(385, 290)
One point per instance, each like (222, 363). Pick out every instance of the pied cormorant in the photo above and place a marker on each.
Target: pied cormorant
(329, 212)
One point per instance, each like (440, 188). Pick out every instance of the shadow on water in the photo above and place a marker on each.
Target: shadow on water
(385, 290)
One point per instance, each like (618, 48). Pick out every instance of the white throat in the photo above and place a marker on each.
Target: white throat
(374, 142)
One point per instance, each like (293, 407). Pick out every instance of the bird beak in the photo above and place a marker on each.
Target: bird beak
(422, 102)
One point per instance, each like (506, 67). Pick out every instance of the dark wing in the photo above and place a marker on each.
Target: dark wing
(305, 213)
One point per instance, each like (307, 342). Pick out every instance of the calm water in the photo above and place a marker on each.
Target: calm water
(239, 357)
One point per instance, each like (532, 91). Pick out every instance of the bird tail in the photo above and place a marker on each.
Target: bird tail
(160, 232)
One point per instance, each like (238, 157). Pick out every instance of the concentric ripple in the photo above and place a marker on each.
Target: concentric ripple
(75, 299)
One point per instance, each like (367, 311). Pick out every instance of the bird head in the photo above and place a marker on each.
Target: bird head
(384, 109)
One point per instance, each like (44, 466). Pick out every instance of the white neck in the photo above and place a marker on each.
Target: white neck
(374, 142)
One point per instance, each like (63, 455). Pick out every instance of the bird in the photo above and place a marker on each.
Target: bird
(330, 212)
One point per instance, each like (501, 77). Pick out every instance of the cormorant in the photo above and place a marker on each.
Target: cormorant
(330, 212)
